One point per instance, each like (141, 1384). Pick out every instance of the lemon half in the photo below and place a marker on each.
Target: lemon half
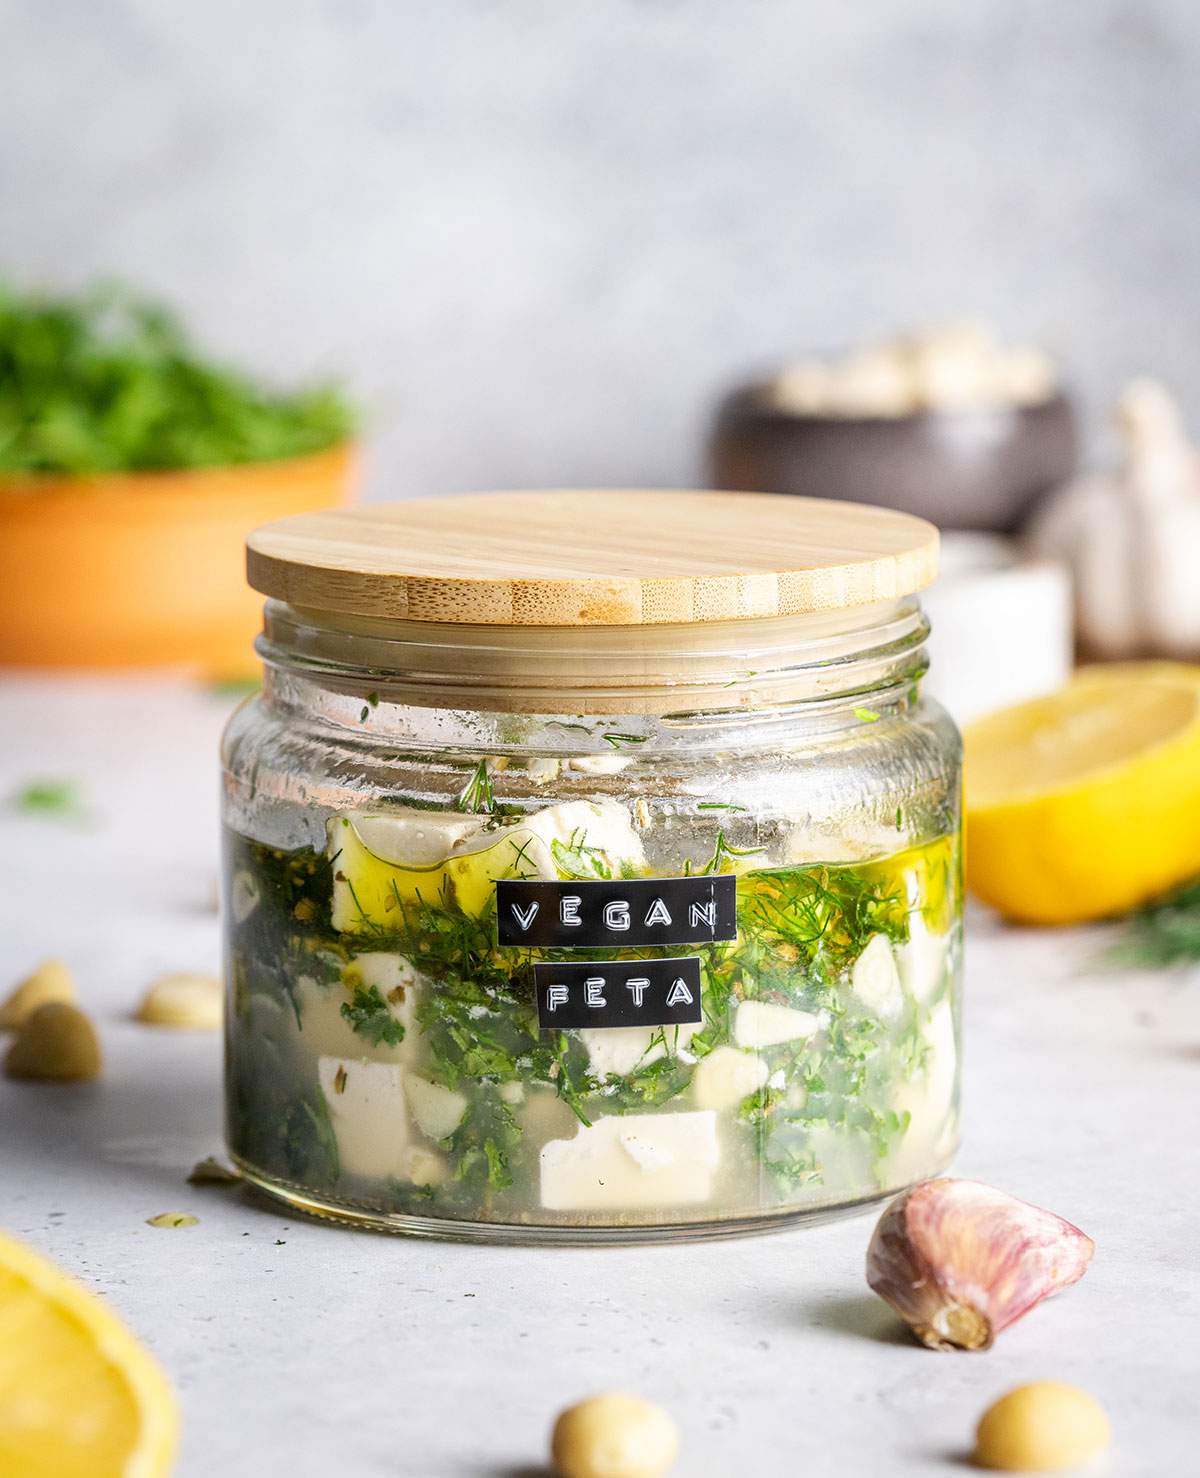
(1087, 802)
(79, 1396)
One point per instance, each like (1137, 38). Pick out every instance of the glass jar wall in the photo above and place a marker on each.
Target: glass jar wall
(391, 1061)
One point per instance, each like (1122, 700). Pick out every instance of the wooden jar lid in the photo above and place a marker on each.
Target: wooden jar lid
(592, 558)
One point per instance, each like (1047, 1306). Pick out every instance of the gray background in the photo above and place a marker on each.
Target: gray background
(540, 237)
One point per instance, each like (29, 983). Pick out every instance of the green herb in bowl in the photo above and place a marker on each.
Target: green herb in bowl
(107, 381)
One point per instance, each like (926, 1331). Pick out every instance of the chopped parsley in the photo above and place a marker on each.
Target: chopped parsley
(370, 1016)
(107, 381)
(61, 800)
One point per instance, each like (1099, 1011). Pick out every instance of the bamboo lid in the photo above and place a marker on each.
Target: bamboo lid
(593, 558)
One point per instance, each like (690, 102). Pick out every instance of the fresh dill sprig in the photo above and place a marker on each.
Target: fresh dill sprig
(476, 795)
(1162, 933)
(723, 852)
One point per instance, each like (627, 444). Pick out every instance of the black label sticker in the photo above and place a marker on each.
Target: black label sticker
(616, 914)
(571, 994)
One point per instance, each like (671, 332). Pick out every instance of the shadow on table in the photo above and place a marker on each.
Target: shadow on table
(860, 1315)
(153, 1113)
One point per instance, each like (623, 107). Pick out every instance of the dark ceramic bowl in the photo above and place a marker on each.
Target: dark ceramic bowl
(981, 468)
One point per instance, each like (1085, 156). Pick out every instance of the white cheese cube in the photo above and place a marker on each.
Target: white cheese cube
(415, 838)
(576, 838)
(323, 1028)
(929, 1099)
(600, 764)
(875, 981)
(424, 1166)
(368, 1114)
(591, 837)
(725, 1077)
(765, 1024)
(638, 1161)
(396, 980)
(389, 863)
(325, 1031)
(438, 1110)
(620, 1049)
(922, 960)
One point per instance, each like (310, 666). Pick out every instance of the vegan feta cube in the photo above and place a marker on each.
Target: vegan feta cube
(632, 1161)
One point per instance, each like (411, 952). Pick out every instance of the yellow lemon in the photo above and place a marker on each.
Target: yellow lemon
(1087, 802)
(79, 1397)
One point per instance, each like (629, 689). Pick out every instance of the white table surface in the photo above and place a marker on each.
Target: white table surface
(298, 1348)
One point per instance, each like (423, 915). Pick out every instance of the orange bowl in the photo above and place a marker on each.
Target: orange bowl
(141, 569)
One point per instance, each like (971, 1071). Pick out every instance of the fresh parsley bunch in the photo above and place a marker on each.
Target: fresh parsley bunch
(108, 382)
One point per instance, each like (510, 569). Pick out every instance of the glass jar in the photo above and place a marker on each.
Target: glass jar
(591, 931)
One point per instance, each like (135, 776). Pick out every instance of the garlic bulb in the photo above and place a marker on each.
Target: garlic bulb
(1132, 541)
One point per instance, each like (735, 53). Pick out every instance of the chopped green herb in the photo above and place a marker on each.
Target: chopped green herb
(369, 1015)
(866, 715)
(476, 795)
(1162, 933)
(616, 740)
(107, 381)
(723, 852)
(60, 799)
(717, 806)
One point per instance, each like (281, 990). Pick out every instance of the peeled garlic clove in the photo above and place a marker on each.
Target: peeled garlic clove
(614, 1436)
(1045, 1427)
(959, 1261)
(58, 1043)
(190, 1001)
(51, 981)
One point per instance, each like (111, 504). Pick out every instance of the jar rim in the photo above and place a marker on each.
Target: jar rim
(661, 669)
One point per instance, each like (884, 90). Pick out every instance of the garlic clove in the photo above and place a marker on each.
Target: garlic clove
(960, 1261)
(184, 1001)
(1044, 1427)
(51, 981)
(57, 1043)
